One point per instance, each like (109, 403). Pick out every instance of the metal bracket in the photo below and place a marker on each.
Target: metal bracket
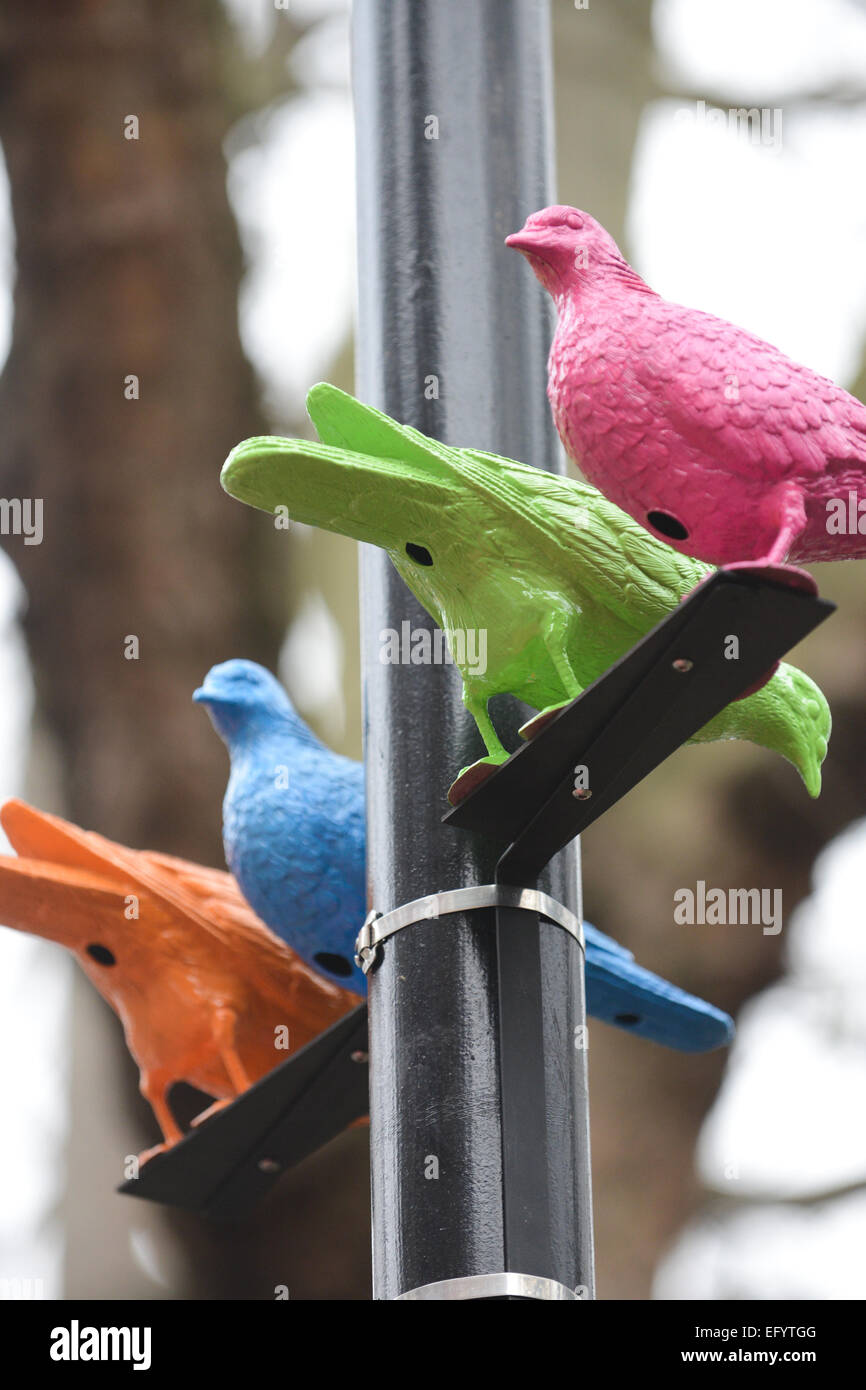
(656, 697)
(224, 1167)
(377, 928)
(505, 1285)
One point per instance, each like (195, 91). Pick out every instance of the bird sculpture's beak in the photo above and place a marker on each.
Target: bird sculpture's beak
(530, 240)
(202, 695)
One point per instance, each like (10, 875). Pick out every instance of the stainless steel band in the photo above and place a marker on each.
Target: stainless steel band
(378, 928)
(495, 1286)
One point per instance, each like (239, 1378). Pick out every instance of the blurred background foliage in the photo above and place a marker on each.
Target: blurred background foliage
(132, 257)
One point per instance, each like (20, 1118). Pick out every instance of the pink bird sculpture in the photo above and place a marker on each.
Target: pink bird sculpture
(706, 435)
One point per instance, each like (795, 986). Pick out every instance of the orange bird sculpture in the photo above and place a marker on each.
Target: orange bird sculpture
(207, 994)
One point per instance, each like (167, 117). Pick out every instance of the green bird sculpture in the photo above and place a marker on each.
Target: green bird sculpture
(560, 580)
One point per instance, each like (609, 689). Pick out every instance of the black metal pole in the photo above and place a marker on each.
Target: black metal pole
(479, 1122)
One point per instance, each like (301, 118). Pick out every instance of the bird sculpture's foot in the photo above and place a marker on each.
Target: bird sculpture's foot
(758, 684)
(776, 573)
(152, 1153)
(472, 777)
(539, 721)
(212, 1110)
(791, 576)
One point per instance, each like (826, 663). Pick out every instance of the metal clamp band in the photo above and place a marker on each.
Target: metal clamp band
(495, 1286)
(377, 928)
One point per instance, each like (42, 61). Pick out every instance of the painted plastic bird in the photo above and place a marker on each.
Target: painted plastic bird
(205, 992)
(710, 437)
(558, 579)
(294, 815)
(293, 819)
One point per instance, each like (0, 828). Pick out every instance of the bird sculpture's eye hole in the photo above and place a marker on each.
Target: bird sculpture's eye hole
(337, 965)
(101, 954)
(419, 554)
(668, 525)
(626, 1020)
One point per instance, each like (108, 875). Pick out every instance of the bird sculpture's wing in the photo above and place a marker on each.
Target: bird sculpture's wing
(364, 479)
(639, 1002)
(37, 835)
(216, 897)
(635, 1000)
(345, 422)
(207, 900)
(337, 489)
(597, 941)
(615, 562)
(38, 897)
(781, 418)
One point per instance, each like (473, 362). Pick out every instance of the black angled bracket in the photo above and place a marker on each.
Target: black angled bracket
(655, 698)
(639, 712)
(225, 1166)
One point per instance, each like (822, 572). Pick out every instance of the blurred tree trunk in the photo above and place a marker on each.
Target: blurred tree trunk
(128, 265)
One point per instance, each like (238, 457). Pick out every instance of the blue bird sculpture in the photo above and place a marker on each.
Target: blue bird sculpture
(294, 837)
(293, 820)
